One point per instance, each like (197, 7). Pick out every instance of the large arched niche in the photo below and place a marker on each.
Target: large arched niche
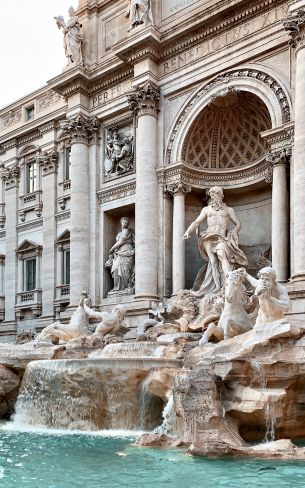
(216, 140)
(254, 79)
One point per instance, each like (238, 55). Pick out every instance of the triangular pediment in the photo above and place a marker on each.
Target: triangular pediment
(27, 245)
(64, 237)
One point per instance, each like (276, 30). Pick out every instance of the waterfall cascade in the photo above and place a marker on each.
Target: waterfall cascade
(90, 394)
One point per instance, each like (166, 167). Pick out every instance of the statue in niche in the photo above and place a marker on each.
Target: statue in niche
(72, 37)
(139, 12)
(119, 153)
(121, 261)
(272, 296)
(217, 244)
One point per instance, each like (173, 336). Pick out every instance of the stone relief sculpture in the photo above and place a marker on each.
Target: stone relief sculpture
(217, 244)
(72, 37)
(121, 261)
(139, 12)
(272, 296)
(119, 153)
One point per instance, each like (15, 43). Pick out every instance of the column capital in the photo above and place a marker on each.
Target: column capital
(10, 176)
(80, 128)
(48, 162)
(178, 188)
(279, 157)
(144, 99)
(295, 25)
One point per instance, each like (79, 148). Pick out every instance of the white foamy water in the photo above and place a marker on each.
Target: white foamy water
(120, 433)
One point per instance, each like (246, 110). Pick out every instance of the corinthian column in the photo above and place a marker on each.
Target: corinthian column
(143, 101)
(280, 226)
(81, 131)
(178, 191)
(296, 26)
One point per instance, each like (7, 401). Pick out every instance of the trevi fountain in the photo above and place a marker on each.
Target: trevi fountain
(159, 339)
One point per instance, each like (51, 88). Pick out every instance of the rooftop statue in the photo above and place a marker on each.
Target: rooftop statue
(72, 37)
(217, 244)
(139, 12)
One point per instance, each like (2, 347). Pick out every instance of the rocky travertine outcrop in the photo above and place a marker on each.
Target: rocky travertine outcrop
(9, 385)
(261, 379)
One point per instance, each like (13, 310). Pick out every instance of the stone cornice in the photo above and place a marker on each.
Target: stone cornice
(117, 192)
(180, 173)
(280, 137)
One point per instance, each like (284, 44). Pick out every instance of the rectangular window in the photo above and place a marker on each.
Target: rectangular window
(31, 177)
(67, 163)
(29, 112)
(67, 267)
(30, 274)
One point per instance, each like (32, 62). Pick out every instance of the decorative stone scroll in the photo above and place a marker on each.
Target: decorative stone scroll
(80, 128)
(11, 176)
(119, 152)
(48, 162)
(144, 100)
(295, 25)
(178, 188)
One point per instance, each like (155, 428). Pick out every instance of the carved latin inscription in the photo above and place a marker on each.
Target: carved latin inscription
(227, 38)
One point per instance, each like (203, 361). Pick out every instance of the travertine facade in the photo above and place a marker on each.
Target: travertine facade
(145, 119)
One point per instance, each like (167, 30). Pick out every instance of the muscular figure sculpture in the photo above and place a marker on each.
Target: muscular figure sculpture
(217, 244)
(272, 296)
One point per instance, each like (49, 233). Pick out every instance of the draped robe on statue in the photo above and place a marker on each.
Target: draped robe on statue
(229, 246)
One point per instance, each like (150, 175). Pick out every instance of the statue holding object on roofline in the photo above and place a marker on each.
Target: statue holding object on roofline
(139, 12)
(73, 37)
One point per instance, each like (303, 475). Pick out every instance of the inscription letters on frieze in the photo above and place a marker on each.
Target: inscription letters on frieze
(223, 40)
(107, 96)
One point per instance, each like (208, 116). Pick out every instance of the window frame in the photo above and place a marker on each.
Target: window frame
(31, 181)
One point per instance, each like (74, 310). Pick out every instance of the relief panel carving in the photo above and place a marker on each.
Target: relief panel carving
(119, 157)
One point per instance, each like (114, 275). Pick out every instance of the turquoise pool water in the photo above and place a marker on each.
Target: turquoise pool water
(42, 460)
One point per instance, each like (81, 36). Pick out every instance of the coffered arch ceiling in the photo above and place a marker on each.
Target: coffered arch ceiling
(226, 134)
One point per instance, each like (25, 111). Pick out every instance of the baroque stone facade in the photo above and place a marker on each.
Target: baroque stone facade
(158, 103)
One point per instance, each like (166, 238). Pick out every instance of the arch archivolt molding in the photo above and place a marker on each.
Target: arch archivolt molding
(259, 81)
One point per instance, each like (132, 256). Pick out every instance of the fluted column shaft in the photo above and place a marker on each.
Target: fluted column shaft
(143, 102)
(178, 264)
(280, 225)
(81, 131)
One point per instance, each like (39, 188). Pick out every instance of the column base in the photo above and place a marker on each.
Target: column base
(298, 277)
(146, 296)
